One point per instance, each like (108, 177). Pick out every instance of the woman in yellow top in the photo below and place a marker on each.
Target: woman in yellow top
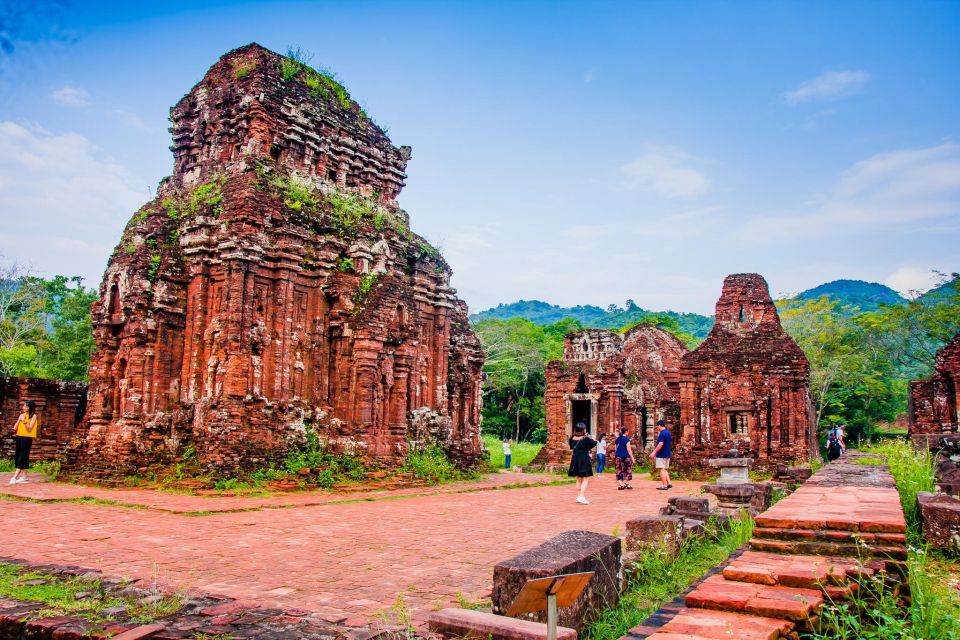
(27, 427)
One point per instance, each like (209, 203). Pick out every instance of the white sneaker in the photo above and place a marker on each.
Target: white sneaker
(13, 480)
(22, 481)
(582, 500)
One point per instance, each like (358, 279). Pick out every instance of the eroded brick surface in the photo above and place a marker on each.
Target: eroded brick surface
(60, 405)
(274, 284)
(607, 382)
(935, 402)
(747, 386)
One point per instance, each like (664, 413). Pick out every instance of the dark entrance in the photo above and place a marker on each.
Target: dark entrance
(580, 412)
(642, 427)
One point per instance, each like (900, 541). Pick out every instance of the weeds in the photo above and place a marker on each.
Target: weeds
(241, 69)
(81, 597)
(367, 281)
(658, 576)
(913, 471)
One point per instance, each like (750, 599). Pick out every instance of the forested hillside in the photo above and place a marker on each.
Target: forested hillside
(864, 342)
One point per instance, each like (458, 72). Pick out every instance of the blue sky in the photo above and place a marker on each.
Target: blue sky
(581, 152)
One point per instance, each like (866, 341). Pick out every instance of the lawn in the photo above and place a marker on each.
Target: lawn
(523, 452)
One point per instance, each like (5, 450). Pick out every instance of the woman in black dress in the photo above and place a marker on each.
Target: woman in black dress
(581, 466)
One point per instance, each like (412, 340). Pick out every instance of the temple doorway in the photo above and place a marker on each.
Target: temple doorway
(580, 411)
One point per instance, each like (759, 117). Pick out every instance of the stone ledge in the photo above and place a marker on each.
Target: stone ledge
(480, 625)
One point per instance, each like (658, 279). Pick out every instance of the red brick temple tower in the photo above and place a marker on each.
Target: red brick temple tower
(274, 286)
(608, 381)
(747, 386)
(935, 402)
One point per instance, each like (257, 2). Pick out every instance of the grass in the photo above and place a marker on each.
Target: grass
(79, 597)
(933, 608)
(658, 576)
(913, 471)
(522, 452)
(48, 468)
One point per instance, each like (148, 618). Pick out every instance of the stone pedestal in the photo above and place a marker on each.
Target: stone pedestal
(940, 516)
(569, 552)
(732, 470)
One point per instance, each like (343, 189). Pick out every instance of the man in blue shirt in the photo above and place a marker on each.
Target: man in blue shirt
(661, 454)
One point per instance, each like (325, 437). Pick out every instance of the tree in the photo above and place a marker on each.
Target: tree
(45, 326)
(22, 321)
(912, 333)
(70, 343)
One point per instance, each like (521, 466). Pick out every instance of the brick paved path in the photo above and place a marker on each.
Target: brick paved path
(343, 560)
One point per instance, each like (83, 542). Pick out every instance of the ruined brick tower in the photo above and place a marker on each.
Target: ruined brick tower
(274, 285)
(747, 386)
(608, 381)
(935, 402)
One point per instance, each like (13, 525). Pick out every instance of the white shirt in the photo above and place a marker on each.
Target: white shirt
(506, 448)
(602, 446)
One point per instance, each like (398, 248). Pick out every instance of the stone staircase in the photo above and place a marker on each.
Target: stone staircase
(808, 550)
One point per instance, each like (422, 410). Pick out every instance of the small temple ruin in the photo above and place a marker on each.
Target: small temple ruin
(274, 286)
(60, 405)
(747, 386)
(935, 402)
(606, 381)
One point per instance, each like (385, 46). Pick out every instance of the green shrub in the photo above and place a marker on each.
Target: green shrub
(432, 465)
(345, 265)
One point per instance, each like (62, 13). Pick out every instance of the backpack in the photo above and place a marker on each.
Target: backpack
(833, 446)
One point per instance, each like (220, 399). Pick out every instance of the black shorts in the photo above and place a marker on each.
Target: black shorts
(21, 457)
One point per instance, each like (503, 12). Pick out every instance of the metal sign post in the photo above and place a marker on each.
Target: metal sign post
(549, 594)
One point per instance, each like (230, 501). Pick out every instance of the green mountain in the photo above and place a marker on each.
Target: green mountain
(613, 317)
(865, 296)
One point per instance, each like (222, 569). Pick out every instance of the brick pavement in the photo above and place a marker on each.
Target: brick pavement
(341, 559)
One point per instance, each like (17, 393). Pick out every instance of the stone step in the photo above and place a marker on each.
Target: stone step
(786, 603)
(480, 625)
(722, 625)
(830, 535)
(851, 550)
(835, 576)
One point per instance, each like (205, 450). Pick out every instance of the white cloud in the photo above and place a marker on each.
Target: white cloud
(687, 224)
(831, 85)
(665, 172)
(589, 75)
(70, 96)
(912, 280)
(64, 205)
(889, 189)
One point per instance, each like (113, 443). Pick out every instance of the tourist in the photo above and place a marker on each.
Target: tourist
(506, 453)
(602, 454)
(26, 430)
(834, 450)
(837, 431)
(580, 466)
(623, 460)
(661, 455)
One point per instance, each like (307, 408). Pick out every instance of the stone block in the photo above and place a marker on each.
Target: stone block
(940, 516)
(690, 505)
(645, 532)
(762, 496)
(480, 625)
(569, 552)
